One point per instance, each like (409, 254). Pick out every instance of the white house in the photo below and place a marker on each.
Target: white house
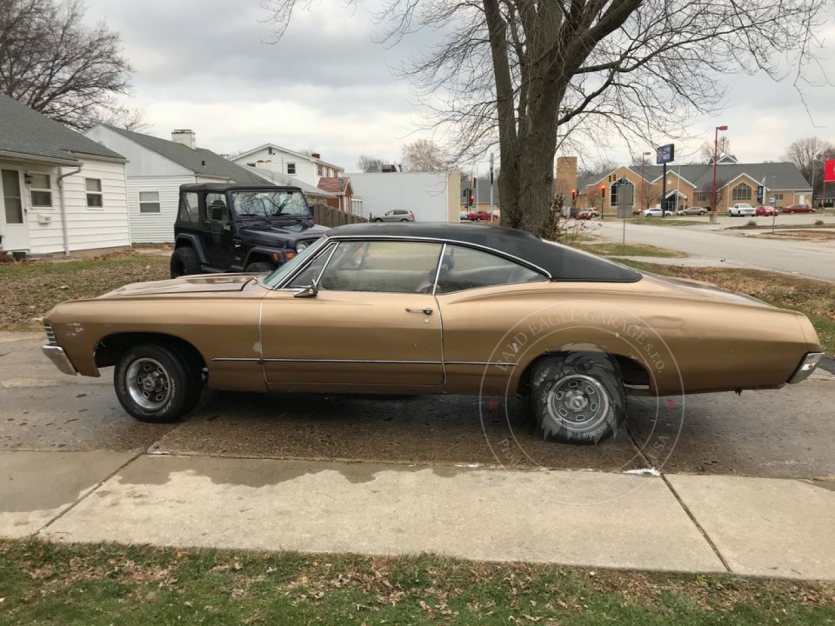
(431, 196)
(155, 170)
(61, 191)
(308, 169)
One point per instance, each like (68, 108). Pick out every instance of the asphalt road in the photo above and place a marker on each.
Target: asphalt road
(811, 259)
(782, 434)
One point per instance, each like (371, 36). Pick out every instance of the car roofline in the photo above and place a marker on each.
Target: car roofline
(454, 242)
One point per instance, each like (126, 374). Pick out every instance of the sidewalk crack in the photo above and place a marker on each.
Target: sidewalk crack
(681, 503)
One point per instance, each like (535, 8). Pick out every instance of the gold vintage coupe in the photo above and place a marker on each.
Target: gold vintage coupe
(434, 309)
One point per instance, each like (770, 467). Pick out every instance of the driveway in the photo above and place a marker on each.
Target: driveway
(814, 260)
(777, 434)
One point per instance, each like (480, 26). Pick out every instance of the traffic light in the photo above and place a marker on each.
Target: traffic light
(475, 181)
(573, 195)
(603, 191)
(472, 200)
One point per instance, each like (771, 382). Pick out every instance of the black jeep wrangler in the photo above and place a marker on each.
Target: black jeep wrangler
(236, 228)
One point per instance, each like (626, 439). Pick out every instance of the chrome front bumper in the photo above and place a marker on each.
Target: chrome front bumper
(806, 367)
(57, 355)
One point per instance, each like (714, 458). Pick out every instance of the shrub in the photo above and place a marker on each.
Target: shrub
(819, 222)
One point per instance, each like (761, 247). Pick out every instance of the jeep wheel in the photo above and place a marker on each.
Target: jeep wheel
(578, 398)
(157, 384)
(184, 261)
(260, 267)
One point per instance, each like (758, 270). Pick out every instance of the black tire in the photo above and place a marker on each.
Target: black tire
(593, 402)
(184, 262)
(260, 266)
(377, 219)
(404, 220)
(174, 383)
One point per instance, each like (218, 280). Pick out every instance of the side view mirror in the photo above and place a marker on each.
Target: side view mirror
(308, 292)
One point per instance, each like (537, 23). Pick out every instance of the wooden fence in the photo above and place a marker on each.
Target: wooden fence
(328, 216)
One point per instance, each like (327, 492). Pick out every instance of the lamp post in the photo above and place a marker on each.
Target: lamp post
(644, 181)
(815, 159)
(715, 157)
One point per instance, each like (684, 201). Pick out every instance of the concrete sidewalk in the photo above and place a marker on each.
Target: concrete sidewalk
(753, 526)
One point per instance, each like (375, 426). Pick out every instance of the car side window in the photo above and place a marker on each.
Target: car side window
(309, 274)
(216, 210)
(467, 268)
(189, 208)
(382, 267)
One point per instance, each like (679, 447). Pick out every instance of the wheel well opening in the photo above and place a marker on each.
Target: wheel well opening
(110, 349)
(633, 372)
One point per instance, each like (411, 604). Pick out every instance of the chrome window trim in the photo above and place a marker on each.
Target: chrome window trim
(361, 361)
(291, 277)
(438, 240)
(438, 270)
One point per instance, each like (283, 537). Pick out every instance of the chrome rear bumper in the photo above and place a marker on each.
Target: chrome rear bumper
(806, 367)
(57, 355)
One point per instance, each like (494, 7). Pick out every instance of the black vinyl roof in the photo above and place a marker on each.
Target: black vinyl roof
(224, 187)
(560, 262)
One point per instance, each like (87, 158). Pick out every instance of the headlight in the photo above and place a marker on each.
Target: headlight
(302, 245)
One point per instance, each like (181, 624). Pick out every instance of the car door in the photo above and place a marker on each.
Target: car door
(373, 321)
(218, 231)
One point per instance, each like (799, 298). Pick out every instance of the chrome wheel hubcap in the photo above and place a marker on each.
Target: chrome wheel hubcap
(578, 402)
(148, 383)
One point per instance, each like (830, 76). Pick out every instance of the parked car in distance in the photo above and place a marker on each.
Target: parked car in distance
(742, 210)
(656, 212)
(587, 214)
(767, 211)
(434, 309)
(480, 216)
(799, 208)
(395, 215)
(693, 210)
(236, 228)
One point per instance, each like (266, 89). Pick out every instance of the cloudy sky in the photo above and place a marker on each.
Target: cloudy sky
(326, 86)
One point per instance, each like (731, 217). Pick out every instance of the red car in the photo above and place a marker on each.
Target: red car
(799, 208)
(766, 210)
(480, 217)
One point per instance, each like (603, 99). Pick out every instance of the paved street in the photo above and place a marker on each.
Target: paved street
(811, 259)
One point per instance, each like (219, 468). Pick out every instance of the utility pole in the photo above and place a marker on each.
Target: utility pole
(491, 186)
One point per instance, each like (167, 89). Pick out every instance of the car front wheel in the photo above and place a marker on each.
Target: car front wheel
(156, 383)
(578, 398)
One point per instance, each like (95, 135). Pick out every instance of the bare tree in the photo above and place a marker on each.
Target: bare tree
(809, 155)
(424, 155)
(532, 75)
(597, 168)
(722, 147)
(367, 163)
(53, 62)
(707, 190)
(123, 117)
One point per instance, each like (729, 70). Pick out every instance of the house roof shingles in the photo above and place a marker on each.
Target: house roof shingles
(27, 133)
(337, 185)
(199, 160)
(777, 175)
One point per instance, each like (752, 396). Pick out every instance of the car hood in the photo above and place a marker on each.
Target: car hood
(284, 235)
(212, 283)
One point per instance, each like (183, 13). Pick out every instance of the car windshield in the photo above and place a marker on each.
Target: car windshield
(286, 268)
(267, 204)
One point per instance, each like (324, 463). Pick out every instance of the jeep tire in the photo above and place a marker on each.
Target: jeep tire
(184, 262)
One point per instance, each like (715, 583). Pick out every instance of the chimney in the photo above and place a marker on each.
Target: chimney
(184, 136)
(566, 177)
(316, 155)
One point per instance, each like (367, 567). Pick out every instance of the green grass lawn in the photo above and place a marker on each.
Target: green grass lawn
(611, 248)
(43, 583)
(665, 221)
(815, 298)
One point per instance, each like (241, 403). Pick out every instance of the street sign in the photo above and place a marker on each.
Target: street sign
(626, 198)
(829, 171)
(771, 199)
(665, 154)
(760, 194)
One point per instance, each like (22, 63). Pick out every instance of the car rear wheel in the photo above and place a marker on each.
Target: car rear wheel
(156, 383)
(404, 220)
(184, 262)
(259, 267)
(578, 398)
(378, 220)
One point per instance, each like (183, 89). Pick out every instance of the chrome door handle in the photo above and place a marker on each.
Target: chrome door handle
(421, 311)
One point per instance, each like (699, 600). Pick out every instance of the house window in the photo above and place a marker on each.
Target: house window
(779, 196)
(702, 197)
(741, 192)
(40, 190)
(94, 194)
(149, 202)
(320, 170)
(613, 196)
(291, 169)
